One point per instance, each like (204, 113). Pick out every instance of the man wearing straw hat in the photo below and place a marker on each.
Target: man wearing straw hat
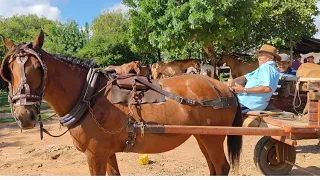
(255, 89)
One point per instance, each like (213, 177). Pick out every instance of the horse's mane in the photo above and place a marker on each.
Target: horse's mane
(75, 61)
(66, 59)
(178, 61)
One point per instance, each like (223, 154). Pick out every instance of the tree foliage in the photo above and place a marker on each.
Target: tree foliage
(219, 25)
(171, 29)
(109, 41)
(66, 39)
(281, 23)
(20, 29)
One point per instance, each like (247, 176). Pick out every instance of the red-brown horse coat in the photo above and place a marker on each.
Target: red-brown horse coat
(238, 68)
(169, 69)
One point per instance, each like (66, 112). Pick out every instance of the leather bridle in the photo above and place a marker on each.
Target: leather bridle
(23, 95)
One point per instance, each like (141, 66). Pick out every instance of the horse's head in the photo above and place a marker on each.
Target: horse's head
(222, 60)
(134, 67)
(137, 67)
(194, 63)
(145, 71)
(229, 60)
(24, 70)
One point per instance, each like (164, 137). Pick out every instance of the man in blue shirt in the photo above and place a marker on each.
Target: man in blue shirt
(284, 66)
(255, 89)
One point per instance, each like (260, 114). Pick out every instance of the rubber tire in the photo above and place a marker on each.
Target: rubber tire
(263, 146)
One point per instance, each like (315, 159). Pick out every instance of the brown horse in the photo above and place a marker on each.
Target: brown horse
(309, 73)
(308, 70)
(131, 67)
(305, 68)
(100, 132)
(169, 69)
(238, 68)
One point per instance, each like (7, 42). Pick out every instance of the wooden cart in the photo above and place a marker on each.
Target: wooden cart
(274, 153)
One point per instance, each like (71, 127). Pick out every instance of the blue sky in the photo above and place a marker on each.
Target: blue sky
(79, 10)
(83, 12)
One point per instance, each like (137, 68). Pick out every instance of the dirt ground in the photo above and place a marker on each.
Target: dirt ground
(25, 154)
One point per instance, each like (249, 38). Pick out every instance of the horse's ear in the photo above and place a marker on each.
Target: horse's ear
(38, 42)
(138, 63)
(9, 45)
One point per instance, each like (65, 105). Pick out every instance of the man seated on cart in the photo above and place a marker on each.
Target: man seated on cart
(255, 89)
(286, 72)
(284, 66)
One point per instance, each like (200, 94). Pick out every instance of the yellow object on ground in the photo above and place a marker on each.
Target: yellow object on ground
(143, 159)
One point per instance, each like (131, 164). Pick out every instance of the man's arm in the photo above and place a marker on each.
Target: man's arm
(255, 90)
(239, 80)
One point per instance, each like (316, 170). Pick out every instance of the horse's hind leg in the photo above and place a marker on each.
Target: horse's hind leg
(97, 164)
(215, 150)
(112, 166)
(206, 155)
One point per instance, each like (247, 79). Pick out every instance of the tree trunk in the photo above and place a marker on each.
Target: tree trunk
(159, 55)
(291, 55)
(209, 48)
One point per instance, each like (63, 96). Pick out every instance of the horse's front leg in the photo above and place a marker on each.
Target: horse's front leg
(112, 166)
(97, 164)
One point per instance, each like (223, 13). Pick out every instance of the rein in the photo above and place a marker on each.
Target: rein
(43, 130)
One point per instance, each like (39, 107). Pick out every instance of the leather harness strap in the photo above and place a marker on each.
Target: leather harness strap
(81, 106)
(221, 102)
(23, 93)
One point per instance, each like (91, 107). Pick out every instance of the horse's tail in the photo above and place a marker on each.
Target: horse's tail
(235, 141)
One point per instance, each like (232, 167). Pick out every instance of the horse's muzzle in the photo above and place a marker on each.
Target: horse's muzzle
(28, 118)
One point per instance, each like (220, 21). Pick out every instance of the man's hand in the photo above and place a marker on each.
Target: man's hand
(238, 88)
(229, 83)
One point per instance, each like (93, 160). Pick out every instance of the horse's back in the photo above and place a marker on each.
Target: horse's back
(313, 74)
(195, 86)
(305, 68)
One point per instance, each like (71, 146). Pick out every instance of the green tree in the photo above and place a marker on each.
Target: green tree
(109, 41)
(66, 38)
(218, 25)
(21, 28)
(281, 23)
(292, 21)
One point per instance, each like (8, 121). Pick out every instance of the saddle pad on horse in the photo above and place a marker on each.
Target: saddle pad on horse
(142, 96)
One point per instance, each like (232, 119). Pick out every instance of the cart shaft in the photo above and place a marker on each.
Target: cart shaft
(211, 130)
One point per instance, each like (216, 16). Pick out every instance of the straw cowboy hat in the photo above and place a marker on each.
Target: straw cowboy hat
(271, 50)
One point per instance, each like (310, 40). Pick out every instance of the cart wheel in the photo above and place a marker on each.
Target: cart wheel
(265, 156)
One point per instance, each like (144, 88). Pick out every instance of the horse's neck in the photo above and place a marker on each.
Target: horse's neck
(187, 64)
(64, 84)
(232, 63)
(127, 68)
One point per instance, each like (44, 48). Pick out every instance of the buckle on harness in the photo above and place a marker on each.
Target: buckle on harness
(179, 99)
